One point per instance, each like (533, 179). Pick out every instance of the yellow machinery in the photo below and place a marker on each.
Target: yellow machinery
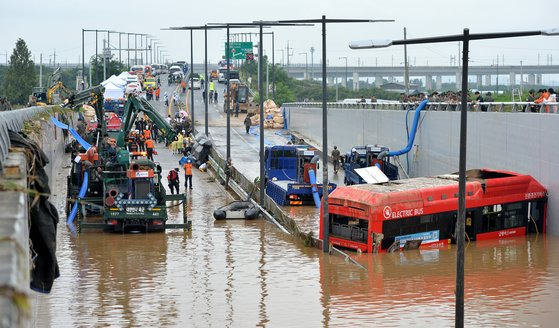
(240, 93)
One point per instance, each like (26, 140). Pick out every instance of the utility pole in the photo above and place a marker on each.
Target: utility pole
(41, 70)
(108, 52)
(521, 80)
(273, 69)
(54, 59)
(288, 55)
(135, 49)
(497, 81)
(96, 59)
(312, 63)
(406, 68)
(120, 47)
(104, 61)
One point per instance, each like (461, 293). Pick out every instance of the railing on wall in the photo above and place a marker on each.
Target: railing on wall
(13, 120)
(514, 107)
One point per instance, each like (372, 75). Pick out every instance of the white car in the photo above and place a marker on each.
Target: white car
(174, 69)
(194, 83)
(221, 78)
(132, 79)
(133, 88)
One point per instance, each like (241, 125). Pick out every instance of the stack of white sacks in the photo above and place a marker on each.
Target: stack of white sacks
(273, 118)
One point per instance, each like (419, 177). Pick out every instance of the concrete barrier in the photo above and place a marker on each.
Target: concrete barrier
(520, 142)
(14, 243)
(15, 295)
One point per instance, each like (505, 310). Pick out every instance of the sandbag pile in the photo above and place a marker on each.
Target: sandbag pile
(273, 118)
(89, 114)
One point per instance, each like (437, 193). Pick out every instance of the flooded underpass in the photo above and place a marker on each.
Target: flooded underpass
(249, 273)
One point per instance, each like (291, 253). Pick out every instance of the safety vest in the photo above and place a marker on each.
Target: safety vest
(147, 134)
(212, 86)
(188, 168)
(149, 143)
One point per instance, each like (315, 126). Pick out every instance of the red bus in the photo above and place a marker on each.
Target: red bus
(374, 217)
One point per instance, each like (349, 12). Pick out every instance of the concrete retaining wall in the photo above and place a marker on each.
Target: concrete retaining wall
(15, 302)
(520, 142)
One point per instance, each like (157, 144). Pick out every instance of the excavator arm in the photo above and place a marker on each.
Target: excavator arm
(54, 88)
(132, 108)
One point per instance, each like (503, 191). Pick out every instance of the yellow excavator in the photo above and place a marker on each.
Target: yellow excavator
(56, 92)
(239, 92)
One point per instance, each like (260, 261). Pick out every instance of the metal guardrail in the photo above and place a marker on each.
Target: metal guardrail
(13, 120)
(515, 107)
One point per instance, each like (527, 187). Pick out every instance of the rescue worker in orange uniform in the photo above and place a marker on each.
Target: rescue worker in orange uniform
(188, 171)
(149, 148)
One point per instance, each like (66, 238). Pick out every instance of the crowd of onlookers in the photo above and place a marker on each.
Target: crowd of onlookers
(539, 98)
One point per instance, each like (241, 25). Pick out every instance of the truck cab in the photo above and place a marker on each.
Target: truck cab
(365, 156)
(285, 162)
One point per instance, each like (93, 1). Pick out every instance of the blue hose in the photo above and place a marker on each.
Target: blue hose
(413, 130)
(61, 125)
(83, 190)
(314, 189)
(407, 136)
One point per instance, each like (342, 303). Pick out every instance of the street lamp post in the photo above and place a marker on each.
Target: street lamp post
(205, 28)
(325, 216)
(260, 25)
(460, 224)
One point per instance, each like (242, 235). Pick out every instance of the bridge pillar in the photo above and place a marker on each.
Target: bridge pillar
(439, 82)
(512, 79)
(355, 81)
(330, 80)
(479, 81)
(428, 82)
(487, 79)
(538, 79)
(459, 80)
(531, 79)
(378, 81)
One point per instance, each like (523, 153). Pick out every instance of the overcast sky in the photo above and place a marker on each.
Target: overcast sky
(56, 24)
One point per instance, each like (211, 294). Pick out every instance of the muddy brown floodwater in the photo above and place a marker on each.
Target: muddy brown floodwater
(248, 273)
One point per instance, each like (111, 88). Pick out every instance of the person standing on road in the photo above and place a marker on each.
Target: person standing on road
(173, 180)
(228, 170)
(157, 93)
(166, 98)
(183, 86)
(248, 123)
(215, 97)
(188, 171)
(237, 107)
(212, 88)
(336, 159)
(150, 148)
(141, 141)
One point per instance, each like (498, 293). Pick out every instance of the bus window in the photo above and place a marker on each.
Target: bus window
(505, 216)
(442, 222)
(349, 228)
(535, 218)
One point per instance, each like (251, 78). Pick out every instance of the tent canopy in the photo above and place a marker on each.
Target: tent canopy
(114, 80)
(113, 91)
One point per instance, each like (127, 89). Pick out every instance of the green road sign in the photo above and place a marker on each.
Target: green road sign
(238, 50)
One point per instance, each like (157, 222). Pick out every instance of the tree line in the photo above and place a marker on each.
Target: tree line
(18, 79)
